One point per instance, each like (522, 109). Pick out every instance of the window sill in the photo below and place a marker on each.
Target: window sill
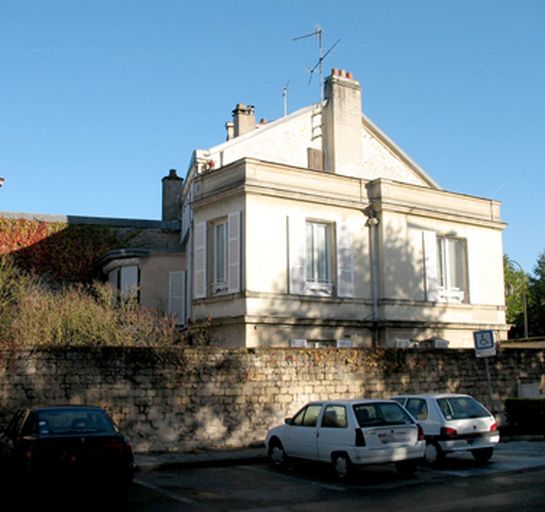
(219, 288)
(321, 289)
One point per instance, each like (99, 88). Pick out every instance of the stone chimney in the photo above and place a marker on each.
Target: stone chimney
(172, 195)
(243, 119)
(342, 124)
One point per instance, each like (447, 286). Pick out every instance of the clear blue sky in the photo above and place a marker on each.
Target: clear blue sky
(100, 98)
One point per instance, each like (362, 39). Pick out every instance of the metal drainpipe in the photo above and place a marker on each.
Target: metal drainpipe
(372, 223)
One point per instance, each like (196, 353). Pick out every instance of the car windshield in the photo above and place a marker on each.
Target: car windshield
(74, 421)
(461, 407)
(379, 414)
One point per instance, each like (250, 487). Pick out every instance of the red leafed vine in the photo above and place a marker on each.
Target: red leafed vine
(60, 251)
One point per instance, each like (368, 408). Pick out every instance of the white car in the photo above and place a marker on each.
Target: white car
(453, 423)
(349, 433)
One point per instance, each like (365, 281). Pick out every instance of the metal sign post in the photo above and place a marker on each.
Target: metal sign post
(485, 348)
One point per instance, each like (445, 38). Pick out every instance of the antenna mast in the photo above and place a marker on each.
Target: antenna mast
(285, 95)
(318, 33)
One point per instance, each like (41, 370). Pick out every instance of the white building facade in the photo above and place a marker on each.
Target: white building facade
(317, 230)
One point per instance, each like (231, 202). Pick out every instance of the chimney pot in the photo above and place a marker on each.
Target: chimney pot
(335, 72)
(349, 74)
(343, 73)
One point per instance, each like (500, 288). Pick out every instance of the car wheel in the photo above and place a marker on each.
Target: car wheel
(406, 468)
(277, 454)
(482, 455)
(342, 466)
(433, 453)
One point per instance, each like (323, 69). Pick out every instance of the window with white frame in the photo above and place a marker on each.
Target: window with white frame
(451, 268)
(125, 279)
(320, 256)
(217, 253)
(220, 256)
(318, 247)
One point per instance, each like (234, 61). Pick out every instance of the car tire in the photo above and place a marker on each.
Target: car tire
(406, 468)
(342, 466)
(277, 454)
(482, 455)
(433, 454)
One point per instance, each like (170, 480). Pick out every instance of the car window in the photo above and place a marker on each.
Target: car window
(461, 407)
(74, 421)
(308, 416)
(381, 414)
(418, 408)
(335, 417)
(399, 399)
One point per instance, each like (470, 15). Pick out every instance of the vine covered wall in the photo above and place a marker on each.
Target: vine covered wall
(60, 251)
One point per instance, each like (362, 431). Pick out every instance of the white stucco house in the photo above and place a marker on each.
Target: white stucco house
(318, 230)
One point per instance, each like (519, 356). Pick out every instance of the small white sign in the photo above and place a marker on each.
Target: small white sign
(484, 343)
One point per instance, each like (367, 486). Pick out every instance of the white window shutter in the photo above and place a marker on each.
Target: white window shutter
(233, 252)
(472, 284)
(176, 296)
(296, 253)
(199, 263)
(129, 280)
(345, 261)
(430, 265)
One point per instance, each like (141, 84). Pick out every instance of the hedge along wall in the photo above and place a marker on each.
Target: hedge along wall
(210, 398)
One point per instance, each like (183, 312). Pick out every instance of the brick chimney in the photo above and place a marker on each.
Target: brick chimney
(172, 194)
(342, 139)
(244, 119)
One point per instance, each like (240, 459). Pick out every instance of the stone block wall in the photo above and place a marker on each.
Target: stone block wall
(212, 398)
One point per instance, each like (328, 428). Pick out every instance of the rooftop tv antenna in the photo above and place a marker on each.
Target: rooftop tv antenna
(318, 33)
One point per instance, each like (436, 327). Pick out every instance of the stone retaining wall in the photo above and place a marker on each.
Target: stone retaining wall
(208, 398)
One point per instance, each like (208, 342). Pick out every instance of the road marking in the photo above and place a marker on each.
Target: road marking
(168, 494)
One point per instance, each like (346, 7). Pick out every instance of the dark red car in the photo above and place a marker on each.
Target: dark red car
(69, 444)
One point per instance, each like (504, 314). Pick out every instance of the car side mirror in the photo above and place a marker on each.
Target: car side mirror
(288, 421)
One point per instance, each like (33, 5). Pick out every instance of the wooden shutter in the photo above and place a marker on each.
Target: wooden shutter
(233, 252)
(176, 296)
(430, 266)
(296, 254)
(315, 159)
(199, 263)
(345, 261)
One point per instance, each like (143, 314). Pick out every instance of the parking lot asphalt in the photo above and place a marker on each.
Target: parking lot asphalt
(510, 454)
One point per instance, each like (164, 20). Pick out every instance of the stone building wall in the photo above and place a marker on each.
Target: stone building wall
(211, 398)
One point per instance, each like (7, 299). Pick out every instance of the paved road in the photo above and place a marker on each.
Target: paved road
(514, 480)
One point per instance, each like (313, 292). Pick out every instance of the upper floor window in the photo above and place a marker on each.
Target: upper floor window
(318, 255)
(445, 268)
(220, 256)
(451, 268)
(217, 254)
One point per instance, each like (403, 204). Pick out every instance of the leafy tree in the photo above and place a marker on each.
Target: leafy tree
(516, 288)
(536, 298)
